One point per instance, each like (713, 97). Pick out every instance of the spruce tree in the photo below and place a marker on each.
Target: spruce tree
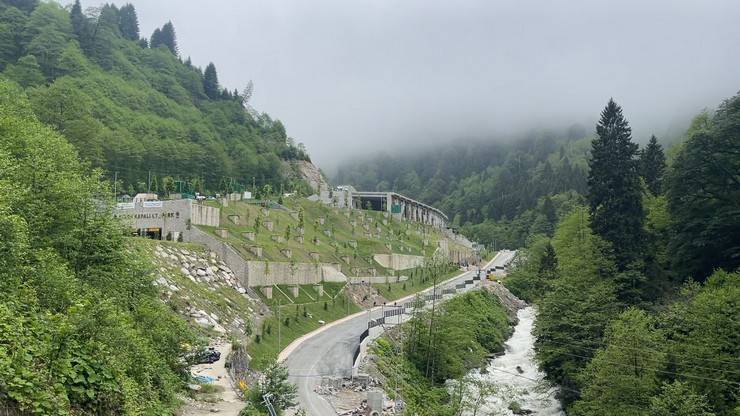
(156, 39)
(614, 193)
(548, 267)
(548, 210)
(78, 20)
(652, 165)
(210, 82)
(128, 22)
(168, 37)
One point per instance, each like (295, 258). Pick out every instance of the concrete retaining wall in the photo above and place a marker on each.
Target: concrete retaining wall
(270, 273)
(260, 273)
(399, 261)
(378, 279)
(204, 215)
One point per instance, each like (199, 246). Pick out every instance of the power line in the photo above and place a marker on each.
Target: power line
(603, 343)
(650, 350)
(734, 383)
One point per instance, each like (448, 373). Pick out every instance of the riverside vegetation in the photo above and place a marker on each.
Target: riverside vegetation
(81, 327)
(435, 347)
(631, 254)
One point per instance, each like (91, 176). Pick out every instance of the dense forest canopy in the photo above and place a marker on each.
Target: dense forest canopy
(133, 106)
(486, 186)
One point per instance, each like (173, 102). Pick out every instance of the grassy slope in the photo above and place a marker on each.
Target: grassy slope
(271, 343)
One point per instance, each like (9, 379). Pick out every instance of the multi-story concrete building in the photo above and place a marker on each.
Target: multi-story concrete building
(166, 220)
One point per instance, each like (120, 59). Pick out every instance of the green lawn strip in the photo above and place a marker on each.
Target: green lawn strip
(268, 348)
(277, 297)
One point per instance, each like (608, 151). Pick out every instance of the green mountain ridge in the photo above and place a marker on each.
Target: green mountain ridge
(142, 114)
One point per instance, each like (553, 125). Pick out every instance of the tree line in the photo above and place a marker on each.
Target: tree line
(489, 189)
(637, 287)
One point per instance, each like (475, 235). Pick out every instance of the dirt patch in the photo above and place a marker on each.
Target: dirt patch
(511, 303)
(223, 399)
(365, 295)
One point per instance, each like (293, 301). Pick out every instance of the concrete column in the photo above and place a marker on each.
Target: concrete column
(267, 291)
(294, 291)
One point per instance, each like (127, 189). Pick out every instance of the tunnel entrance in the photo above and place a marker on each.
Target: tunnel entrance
(373, 203)
(153, 233)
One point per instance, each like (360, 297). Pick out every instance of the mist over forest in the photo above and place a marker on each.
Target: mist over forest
(567, 241)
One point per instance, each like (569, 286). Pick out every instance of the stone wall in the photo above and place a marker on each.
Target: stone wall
(399, 261)
(227, 253)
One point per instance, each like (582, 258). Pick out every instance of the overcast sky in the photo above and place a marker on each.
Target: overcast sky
(346, 76)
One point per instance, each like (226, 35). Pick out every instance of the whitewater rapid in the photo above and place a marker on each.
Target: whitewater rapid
(516, 376)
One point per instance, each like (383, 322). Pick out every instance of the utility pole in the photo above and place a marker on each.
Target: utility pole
(115, 182)
(431, 327)
(149, 182)
(279, 322)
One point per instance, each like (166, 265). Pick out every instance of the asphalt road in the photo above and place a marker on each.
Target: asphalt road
(329, 351)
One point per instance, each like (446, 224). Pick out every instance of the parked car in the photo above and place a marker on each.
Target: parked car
(207, 356)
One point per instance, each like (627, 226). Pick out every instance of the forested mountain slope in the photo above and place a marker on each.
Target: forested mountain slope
(483, 186)
(82, 329)
(133, 106)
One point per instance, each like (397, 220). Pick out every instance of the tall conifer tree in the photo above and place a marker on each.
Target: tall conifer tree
(156, 39)
(614, 193)
(169, 38)
(652, 165)
(78, 20)
(210, 82)
(128, 22)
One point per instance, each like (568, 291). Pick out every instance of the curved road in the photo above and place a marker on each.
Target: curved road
(328, 351)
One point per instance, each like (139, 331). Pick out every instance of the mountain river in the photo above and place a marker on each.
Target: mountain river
(520, 387)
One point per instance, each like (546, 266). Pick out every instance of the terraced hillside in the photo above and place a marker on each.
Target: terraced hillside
(302, 231)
